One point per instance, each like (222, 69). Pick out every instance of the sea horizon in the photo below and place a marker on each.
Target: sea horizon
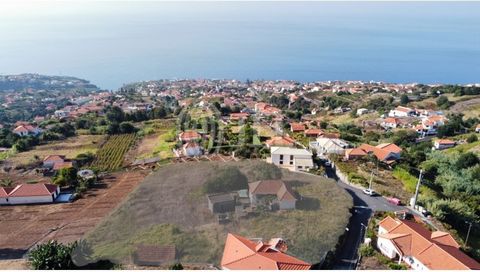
(111, 45)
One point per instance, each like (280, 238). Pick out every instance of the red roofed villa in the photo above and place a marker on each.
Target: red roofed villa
(189, 135)
(243, 254)
(29, 194)
(260, 190)
(421, 249)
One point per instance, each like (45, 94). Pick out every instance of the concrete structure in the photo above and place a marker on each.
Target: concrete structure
(221, 203)
(192, 149)
(294, 159)
(329, 146)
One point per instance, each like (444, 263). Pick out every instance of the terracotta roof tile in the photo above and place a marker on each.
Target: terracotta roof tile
(241, 253)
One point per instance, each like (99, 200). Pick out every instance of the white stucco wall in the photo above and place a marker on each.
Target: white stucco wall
(30, 200)
(386, 247)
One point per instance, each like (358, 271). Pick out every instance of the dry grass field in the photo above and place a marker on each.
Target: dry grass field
(69, 147)
(170, 208)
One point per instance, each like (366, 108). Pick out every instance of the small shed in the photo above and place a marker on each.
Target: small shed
(148, 255)
(221, 203)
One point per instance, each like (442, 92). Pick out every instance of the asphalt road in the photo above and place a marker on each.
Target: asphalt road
(364, 206)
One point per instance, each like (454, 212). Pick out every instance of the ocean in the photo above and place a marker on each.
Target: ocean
(112, 43)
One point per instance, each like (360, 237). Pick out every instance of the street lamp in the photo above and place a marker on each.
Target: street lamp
(468, 232)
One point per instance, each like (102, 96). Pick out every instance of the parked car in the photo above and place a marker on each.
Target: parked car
(394, 201)
(369, 192)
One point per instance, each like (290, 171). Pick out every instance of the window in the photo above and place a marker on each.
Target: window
(300, 167)
(291, 157)
(281, 162)
(281, 157)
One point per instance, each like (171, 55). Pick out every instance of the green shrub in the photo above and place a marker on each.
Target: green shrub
(409, 181)
(472, 138)
(396, 266)
(366, 250)
(227, 179)
(51, 256)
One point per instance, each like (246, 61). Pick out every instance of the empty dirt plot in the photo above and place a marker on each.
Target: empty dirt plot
(170, 208)
(23, 226)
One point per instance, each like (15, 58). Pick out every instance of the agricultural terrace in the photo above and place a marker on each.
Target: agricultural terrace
(111, 155)
(69, 147)
(159, 138)
(200, 112)
(170, 208)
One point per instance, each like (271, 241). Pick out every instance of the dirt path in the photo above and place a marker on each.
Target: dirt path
(21, 227)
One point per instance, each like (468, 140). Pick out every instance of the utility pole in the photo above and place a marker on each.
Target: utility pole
(468, 232)
(415, 198)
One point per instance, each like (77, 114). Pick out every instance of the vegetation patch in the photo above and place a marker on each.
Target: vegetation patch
(111, 154)
(162, 211)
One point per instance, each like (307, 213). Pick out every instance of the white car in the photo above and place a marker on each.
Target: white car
(369, 192)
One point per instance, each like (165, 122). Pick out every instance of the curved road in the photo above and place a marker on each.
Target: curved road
(364, 206)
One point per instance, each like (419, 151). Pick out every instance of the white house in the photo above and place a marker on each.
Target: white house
(477, 129)
(401, 112)
(26, 130)
(61, 113)
(192, 149)
(33, 194)
(329, 146)
(390, 123)
(443, 144)
(411, 243)
(362, 111)
(294, 159)
(259, 191)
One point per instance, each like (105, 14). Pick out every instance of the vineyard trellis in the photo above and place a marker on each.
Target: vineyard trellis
(111, 154)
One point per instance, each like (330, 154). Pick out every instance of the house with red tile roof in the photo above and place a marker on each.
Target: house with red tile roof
(387, 152)
(239, 116)
(56, 162)
(262, 191)
(390, 123)
(410, 242)
(189, 135)
(297, 127)
(441, 144)
(27, 130)
(31, 193)
(280, 141)
(313, 132)
(241, 253)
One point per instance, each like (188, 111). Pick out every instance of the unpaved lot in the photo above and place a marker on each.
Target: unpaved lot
(23, 226)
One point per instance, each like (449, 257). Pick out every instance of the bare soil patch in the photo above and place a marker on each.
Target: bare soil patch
(23, 226)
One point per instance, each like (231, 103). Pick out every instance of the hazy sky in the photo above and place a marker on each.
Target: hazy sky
(110, 42)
